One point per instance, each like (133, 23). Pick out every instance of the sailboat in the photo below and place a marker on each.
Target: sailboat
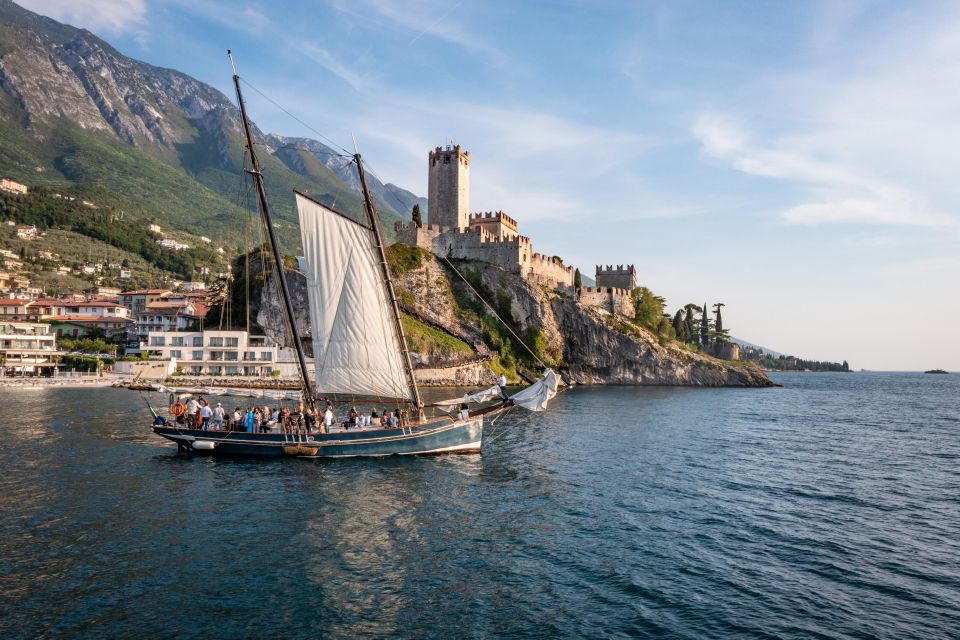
(359, 349)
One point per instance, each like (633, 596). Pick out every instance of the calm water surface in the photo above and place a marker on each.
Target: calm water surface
(829, 508)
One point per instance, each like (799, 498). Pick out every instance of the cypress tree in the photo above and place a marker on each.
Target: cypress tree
(705, 328)
(577, 280)
(679, 326)
(691, 328)
(415, 215)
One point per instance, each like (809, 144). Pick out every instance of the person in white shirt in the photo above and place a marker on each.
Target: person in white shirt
(328, 417)
(502, 383)
(218, 416)
(192, 407)
(205, 414)
(237, 419)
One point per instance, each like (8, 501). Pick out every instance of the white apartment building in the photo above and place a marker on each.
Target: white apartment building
(220, 353)
(27, 349)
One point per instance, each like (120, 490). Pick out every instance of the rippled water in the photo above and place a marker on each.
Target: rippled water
(826, 508)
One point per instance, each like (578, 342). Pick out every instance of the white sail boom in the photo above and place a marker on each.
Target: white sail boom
(356, 350)
(538, 395)
(471, 398)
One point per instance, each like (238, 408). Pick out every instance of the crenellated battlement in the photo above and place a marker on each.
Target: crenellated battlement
(620, 277)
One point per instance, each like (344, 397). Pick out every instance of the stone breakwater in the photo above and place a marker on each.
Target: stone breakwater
(588, 345)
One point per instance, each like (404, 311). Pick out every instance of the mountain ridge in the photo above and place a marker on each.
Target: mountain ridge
(74, 110)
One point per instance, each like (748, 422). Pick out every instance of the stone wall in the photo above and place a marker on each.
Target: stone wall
(611, 299)
(550, 271)
(495, 222)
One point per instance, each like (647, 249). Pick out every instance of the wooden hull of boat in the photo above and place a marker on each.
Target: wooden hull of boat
(432, 438)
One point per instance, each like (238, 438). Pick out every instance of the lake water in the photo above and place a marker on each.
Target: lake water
(827, 508)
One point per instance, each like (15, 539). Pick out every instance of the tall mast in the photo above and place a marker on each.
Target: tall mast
(262, 198)
(398, 326)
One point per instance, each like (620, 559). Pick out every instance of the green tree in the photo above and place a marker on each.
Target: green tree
(691, 324)
(679, 326)
(648, 308)
(705, 328)
(577, 280)
(415, 214)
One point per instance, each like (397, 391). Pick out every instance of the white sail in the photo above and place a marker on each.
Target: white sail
(355, 345)
(536, 396)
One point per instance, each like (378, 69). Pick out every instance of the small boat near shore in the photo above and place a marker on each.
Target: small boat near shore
(939, 371)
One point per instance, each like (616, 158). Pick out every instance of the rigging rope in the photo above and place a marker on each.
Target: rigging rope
(278, 106)
(494, 311)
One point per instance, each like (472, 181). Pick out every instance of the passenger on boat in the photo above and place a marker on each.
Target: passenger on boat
(159, 421)
(352, 417)
(218, 416)
(237, 419)
(193, 408)
(251, 418)
(464, 411)
(328, 417)
(375, 419)
(205, 414)
(502, 383)
(393, 420)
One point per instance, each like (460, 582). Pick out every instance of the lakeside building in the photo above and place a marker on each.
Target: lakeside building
(168, 315)
(220, 353)
(27, 349)
(138, 299)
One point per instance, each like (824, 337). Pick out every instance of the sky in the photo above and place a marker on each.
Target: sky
(795, 161)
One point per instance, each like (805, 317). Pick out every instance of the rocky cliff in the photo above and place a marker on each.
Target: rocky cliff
(456, 340)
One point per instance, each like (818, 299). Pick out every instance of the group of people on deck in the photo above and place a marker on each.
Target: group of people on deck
(199, 414)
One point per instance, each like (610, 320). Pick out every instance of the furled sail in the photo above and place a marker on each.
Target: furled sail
(470, 398)
(356, 350)
(536, 396)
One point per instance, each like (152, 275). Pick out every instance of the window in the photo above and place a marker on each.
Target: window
(198, 341)
(232, 342)
(230, 355)
(250, 355)
(266, 355)
(157, 341)
(196, 370)
(216, 342)
(198, 355)
(215, 371)
(176, 342)
(231, 371)
(175, 354)
(216, 355)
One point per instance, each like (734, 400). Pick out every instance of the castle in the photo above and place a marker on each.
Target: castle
(493, 237)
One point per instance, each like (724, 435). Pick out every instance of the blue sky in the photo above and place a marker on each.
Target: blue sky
(797, 161)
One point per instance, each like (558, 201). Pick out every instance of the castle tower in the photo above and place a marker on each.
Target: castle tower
(618, 278)
(448, 187)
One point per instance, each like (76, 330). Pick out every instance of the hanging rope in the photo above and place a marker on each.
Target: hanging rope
(497, 315)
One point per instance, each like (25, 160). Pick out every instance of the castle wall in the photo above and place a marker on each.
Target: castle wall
(550, 271)
(619, 278)
(422, 237)
(448, 187)
(614, 300)
(497, 223)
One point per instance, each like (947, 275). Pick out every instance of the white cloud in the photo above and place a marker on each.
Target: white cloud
(113, 17)
(866, 134)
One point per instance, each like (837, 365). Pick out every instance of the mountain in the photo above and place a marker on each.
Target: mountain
(75, 111)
